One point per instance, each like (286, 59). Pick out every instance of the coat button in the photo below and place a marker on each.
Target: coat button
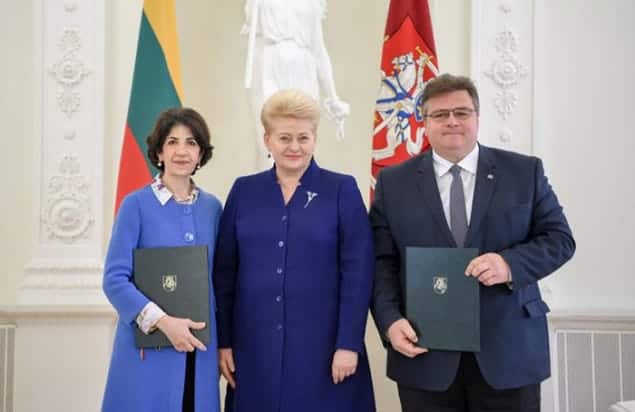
(189, 236)
(279, 271)
(279, 327)
(284, 218)
(278, 298)
(187, 210)
(280, 244)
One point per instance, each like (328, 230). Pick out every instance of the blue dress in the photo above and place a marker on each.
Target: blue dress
(293, 285)
(155, 384)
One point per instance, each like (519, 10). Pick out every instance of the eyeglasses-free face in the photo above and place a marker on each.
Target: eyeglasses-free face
(451, 124)
(180, 152)
(291, 143)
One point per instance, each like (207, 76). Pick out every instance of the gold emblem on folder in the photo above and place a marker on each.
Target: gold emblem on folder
(440, 284)
(169, 283)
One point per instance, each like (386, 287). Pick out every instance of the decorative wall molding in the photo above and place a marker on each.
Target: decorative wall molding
(69, 71)
(53, 281)
(67, 250)
(59, 267)
(70, 280)
(67, 215)
(501, 65)
(506, 72)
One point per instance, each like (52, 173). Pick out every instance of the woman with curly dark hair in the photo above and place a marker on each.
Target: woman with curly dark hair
(171, 211)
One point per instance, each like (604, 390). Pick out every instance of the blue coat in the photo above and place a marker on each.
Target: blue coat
(515, 213)
(156, 383)
(293, 285)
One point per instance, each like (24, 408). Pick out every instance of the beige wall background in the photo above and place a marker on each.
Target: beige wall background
(16, 102)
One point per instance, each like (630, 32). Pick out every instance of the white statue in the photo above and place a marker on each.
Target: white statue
(286, 50)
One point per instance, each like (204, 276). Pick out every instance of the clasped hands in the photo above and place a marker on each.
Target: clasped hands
(344, 365)
(490, 269)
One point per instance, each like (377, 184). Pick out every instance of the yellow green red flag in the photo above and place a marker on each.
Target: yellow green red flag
(156, 86)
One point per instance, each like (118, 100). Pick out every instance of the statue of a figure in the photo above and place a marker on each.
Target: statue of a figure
(286, 50)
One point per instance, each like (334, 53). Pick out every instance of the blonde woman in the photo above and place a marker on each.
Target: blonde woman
(293, 277)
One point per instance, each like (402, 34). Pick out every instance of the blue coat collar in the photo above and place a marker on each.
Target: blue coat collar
(308, 177)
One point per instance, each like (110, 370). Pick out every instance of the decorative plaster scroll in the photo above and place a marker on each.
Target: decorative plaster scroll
(69, 71)
(67, 216)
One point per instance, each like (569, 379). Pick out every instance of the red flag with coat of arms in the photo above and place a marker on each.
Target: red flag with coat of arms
(408, 61)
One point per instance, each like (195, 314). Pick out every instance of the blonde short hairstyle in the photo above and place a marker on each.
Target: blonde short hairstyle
(290, 103)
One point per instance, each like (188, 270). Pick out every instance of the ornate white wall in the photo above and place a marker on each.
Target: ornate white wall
(556, 81)
(67, 115)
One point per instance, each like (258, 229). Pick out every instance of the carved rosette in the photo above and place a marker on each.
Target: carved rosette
(67, 216)
(506, 72)
(505, 102)
(69, 71)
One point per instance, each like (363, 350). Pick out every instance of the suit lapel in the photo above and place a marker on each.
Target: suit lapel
(427, 184)
(483, 190)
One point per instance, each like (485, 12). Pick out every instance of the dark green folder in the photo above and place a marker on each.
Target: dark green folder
(442, 303)
(176, 279)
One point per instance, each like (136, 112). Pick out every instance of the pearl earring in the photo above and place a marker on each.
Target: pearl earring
(159, 163)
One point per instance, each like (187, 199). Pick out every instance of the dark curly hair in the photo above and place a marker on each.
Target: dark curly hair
(167, 120)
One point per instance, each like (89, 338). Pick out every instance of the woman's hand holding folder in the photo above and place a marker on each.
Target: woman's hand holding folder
(178, 332)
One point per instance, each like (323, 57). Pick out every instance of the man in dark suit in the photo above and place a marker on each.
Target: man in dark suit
(463, 194)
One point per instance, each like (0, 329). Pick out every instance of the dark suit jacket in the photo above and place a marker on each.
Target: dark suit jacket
(515, 213)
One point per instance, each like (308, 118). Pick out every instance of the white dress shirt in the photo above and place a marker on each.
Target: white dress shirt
(444, 180)
(443, 176)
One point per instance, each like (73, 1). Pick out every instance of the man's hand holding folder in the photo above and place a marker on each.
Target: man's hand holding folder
(403, 338)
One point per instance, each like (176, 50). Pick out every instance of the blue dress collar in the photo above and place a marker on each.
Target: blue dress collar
(307, 178)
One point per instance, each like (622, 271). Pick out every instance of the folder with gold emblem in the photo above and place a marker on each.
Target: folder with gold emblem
(177, 280)
(442, 304)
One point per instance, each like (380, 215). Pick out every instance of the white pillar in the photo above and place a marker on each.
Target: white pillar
(66, 255)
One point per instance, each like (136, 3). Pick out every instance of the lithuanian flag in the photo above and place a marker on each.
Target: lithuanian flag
(156, 86)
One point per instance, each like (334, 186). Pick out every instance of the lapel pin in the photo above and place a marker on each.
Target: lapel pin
(309, 196)
(490, 177)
